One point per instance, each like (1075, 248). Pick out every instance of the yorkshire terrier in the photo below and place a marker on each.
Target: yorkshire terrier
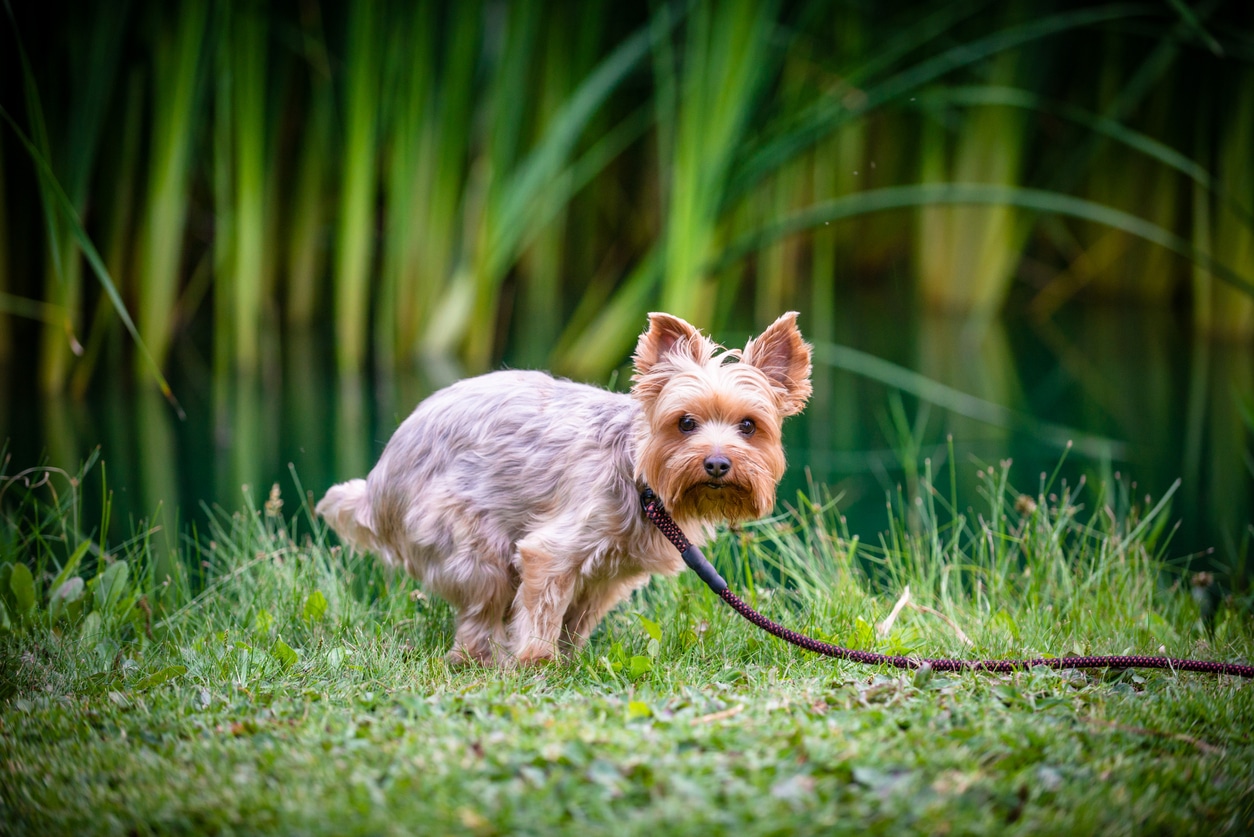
(516, 495)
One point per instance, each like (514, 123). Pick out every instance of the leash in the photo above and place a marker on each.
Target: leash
(695, 560)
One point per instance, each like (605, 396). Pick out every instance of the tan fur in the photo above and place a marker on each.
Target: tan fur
(515, 495)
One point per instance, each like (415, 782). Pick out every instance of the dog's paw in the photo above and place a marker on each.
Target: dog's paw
(460, 658)
(535, 655)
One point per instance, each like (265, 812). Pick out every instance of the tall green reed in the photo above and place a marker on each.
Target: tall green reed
(569, 50)
(706, 94)
(119, 231)
(727, 61)
(309, 213)
(177, 77)
(433, 57)
(93, 61)
(1139, 183)
(1225, 229)
(355, 229)
(6, 326)
(477, 179)
(966, 256)
(509, 207)
(244, 276)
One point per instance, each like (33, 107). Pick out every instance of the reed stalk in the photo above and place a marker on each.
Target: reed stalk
(176, 91)
(1137, 182)
(507, 208)
(240, 191)
(728, 59)
(444, 173)
(158, 480)
(836, 164)
(6, 322)
(249, 281)
(308, 214)
(307, 243)
(60, 279)
(468, 307)
(410, 69)
(1221, 310)
(355, 232)
(569, 49)
(119, 231)
(433, 60)
(71, 144)
(966, 256)
(223, 182)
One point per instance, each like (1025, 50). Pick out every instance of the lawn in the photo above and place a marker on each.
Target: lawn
(282, 685)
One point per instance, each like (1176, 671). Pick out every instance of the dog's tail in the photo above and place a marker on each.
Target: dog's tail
(347, 511)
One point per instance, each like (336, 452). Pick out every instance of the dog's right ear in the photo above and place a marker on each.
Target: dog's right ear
(665, 335)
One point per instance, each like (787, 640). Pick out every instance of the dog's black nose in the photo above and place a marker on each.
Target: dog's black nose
(717, 465)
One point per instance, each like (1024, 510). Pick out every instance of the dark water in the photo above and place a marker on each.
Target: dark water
(1148, 404)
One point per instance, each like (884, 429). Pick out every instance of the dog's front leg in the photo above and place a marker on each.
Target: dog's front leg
(544, 594)
(590, 607)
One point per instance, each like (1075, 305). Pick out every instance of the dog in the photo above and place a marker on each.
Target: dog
(515, 495)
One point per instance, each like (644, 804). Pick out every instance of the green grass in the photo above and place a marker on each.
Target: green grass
(303, 690)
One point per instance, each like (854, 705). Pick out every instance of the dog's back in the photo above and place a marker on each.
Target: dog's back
(481, 463)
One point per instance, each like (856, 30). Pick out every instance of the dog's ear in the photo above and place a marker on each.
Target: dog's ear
(668, 335)
(785, 358)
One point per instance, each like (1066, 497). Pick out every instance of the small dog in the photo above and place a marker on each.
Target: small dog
(516, 496)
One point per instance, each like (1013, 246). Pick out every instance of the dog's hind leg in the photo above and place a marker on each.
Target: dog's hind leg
(481, 592)
(480, 636)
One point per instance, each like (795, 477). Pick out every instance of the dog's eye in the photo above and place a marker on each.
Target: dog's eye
(687, 424)
(747, 427)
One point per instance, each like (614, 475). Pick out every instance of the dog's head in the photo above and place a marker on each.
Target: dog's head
(712, 448)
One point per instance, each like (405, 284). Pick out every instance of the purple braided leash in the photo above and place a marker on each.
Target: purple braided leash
(696, 561)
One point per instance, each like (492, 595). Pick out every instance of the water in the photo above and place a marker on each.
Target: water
(1149, 404)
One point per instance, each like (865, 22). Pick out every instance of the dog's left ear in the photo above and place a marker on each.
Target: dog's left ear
(785, 358)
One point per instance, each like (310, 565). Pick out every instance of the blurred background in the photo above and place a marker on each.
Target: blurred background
(239, 241)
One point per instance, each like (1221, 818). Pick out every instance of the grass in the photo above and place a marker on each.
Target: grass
(282, 685)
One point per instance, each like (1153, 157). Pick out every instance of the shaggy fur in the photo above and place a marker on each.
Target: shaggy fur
(515, 495)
